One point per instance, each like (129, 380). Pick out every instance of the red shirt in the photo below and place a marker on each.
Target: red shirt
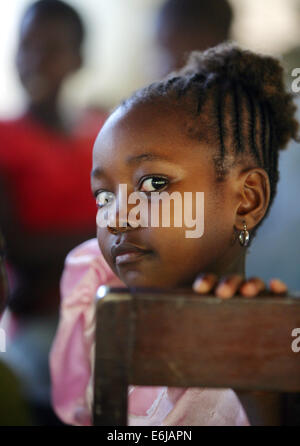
(47, 174)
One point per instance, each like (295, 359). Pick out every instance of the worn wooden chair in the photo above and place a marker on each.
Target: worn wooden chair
(184, 340)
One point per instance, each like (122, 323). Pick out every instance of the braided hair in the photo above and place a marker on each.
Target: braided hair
(235, 101)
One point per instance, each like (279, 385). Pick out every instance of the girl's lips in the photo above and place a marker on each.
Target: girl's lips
(127, 253)
(130, 257)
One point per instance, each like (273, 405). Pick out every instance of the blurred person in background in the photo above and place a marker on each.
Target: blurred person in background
(46, 207)
(186, 25)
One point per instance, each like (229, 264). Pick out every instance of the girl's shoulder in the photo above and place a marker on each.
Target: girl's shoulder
(70, 358)
(84, 252)
(84, 271)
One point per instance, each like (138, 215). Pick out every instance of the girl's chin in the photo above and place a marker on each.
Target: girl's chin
(135, 279)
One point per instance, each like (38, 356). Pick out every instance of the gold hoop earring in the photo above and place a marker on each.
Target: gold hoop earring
(244, 235)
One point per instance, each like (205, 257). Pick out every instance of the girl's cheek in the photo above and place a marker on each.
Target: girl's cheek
(101, 239)
(106, 216)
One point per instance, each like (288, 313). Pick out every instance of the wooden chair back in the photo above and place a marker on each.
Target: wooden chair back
(180, 339)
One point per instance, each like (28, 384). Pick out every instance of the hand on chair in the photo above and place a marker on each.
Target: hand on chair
(230, 285)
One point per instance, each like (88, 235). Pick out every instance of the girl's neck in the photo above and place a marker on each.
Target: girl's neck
(226, 267)
(48, 115)
(234, 263)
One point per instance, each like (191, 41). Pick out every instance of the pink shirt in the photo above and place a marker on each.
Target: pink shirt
(72, 356)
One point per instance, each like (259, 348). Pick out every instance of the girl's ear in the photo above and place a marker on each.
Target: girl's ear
(254, 197)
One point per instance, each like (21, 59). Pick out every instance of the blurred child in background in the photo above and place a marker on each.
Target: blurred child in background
(186, 25)
(46, 206)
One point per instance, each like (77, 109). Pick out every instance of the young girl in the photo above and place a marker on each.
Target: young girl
(215, 126)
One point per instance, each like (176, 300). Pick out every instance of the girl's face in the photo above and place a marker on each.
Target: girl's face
(148, 141)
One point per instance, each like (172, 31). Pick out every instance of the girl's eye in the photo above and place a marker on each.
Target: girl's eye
(103, 198)
(152, 184)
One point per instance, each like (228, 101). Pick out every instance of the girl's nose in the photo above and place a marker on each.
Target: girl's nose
(123, 215)
(116, 230)
(121, 222)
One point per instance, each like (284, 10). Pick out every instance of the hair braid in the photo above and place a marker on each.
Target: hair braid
(252, 127)
(219, 106)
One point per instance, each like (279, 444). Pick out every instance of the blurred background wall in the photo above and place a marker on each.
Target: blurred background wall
(120, 50)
